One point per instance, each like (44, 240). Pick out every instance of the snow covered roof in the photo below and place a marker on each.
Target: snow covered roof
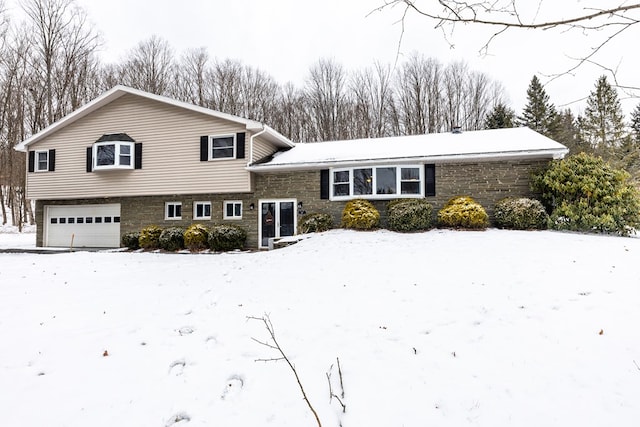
(512, 143)
(116, 92)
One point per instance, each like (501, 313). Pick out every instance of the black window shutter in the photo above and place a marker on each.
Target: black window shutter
(429, 180)
(240, 145)
(52, 160)
(89, 159)
(324, 184)
(137, 163)
(32, 161)
(204, 148)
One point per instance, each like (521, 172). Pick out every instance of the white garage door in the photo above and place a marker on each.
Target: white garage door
(91, 226)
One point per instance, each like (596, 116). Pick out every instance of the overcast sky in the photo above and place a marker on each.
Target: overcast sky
(285, 37)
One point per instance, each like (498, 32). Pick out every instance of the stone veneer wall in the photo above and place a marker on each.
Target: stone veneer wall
(138, 212)
(487, 182)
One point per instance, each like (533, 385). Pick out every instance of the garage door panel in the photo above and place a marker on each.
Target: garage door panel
(86, 225)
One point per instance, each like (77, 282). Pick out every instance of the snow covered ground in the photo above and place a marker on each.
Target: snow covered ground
(443, 328)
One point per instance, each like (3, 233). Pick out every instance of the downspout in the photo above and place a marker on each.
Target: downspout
(264, 129)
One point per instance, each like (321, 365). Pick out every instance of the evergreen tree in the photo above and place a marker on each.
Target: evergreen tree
(635, 124)
(539, 114)
(568, 133)
(500, 117)
(603, 124)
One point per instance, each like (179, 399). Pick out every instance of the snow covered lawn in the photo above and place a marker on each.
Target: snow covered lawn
(444, 328)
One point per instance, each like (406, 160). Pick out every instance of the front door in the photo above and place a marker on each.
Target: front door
(277, 219)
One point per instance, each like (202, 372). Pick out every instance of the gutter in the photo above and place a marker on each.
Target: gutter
(264, 129)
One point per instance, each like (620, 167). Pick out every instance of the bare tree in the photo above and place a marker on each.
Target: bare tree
(190, 77)
(325, 91)
(602, 23)
(372, 94)
(419, 96)
(62, 45)
(149, 66)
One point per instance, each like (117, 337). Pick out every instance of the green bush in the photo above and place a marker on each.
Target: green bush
(409, 215)
(149, 237)
(196, 237)
(463, 212)
(131, 240)
(520, 214)
(584, 193)
(360, 214)
(315, 223)
(227, 237)
(172, 239)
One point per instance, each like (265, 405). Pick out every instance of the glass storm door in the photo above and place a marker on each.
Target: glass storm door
(277, 219)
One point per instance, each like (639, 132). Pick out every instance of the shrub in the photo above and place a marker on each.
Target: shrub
(172, 239)
(196, 237)
(131, 240)
(520, 214)
(360, 214)
(149, 237)
(315, 223)
(584, 193)
(227, 237)
(463, 212)
(409, 215)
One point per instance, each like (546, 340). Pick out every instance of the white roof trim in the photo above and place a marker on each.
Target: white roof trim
(118, 91)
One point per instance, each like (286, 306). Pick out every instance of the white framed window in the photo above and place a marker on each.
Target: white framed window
(173, 210)
(202, 210)
(42, 161)
(222, 147)
(232, 209)
(377, 182)
(113, 155)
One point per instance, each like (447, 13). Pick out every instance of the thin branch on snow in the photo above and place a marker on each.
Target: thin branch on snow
(276, 346)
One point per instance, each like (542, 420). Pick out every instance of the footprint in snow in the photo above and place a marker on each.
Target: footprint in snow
(177, 367)
(211, 342)
(181, 418)
(233, 387)
(186, 330)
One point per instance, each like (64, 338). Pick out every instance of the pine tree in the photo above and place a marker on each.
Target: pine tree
(568, 133)
(539, 114)
(603, 124)
(635, 124)
(500, 117)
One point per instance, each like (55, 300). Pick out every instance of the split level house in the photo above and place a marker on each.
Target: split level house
(129, 159)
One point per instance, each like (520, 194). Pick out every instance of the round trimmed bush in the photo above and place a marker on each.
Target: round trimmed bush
(520, 214)
(463, 212)
(131, 240)
(360, 214)
(172, 239)
(196, 237)
(409, 215)
(149, 237)
(227, 237)
(315, 223)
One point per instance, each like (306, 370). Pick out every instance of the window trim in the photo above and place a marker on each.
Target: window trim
(375, 196)
(166, 211)
(36, 167)
(233, 217)
(211, 148)
(195, 209)
(117, 153)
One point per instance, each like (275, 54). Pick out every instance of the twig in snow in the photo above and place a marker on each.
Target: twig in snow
(275, 346)
(331, 393)
(636, 363)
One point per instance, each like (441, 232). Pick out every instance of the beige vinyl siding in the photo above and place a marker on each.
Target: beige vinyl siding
(261, 149)
(171, 154)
